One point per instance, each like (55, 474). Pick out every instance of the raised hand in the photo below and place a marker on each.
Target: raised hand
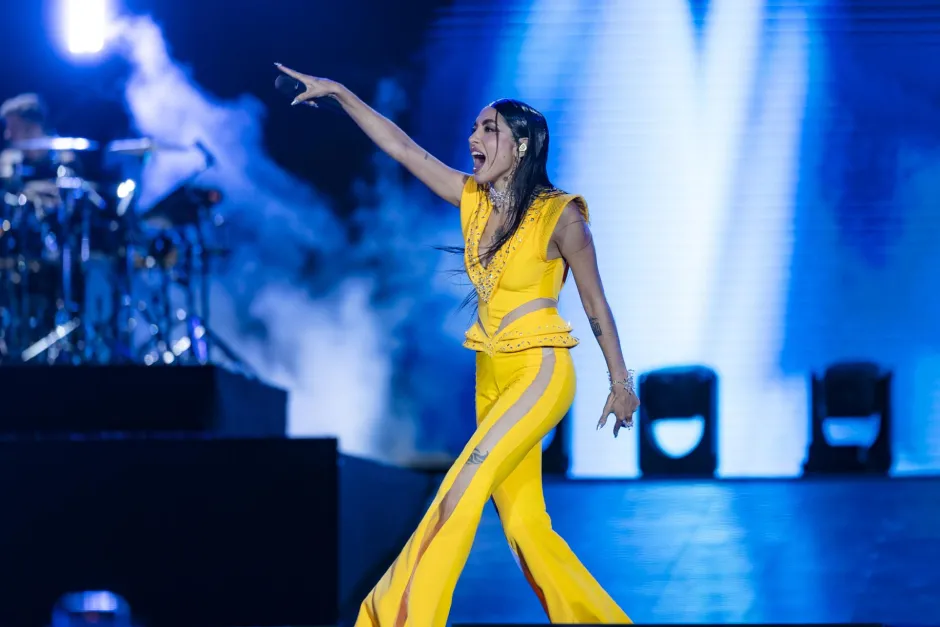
(313, 87)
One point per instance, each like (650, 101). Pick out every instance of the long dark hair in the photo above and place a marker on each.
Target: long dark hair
(530, 180)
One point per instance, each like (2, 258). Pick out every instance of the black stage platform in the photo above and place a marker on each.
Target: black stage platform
(144, 485)
(200, 533)
(138, 400)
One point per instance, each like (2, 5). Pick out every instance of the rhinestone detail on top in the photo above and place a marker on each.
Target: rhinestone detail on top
(485, 279)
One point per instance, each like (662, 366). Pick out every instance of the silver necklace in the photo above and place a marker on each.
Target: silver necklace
(500, 200)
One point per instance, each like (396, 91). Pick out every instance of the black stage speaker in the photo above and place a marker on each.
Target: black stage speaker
(850, 390)
(138, 400)
(198, 532)
(681, 392)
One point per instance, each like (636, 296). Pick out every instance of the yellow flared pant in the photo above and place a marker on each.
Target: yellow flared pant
(520, 398)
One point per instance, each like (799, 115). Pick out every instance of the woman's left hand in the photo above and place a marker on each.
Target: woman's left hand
(622, 403)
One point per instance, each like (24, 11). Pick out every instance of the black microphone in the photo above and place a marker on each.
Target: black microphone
(293, 88)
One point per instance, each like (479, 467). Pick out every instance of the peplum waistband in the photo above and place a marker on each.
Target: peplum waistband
(542, 327)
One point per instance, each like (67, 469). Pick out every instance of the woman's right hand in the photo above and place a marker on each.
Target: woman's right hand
(442, 180)
(313, 87)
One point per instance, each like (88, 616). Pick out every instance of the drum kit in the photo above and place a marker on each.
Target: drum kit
(88, 277)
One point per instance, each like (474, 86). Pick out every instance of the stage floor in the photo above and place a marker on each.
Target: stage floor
(812, 551)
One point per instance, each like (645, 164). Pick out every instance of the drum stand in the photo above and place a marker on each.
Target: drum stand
(202, 337)
(192, 276)
(73, 337)
(67, 320)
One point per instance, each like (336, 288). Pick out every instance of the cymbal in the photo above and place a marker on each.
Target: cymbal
(142, 146)
(76, 144)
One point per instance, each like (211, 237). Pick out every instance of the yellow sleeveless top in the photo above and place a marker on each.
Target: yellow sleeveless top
(516, 274)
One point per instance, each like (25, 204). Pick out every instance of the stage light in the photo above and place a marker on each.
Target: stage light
(98, 607)
(853, 392)
(670, 394)
(86, 25)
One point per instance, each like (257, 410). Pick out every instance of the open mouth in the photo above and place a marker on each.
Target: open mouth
(478, 160)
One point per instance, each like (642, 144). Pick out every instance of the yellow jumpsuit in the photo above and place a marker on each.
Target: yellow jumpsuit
(525, 383)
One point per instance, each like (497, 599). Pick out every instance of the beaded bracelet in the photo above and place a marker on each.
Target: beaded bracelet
(628, 383)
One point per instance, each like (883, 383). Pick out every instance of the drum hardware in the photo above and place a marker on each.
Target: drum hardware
(71, 337)
(60, 232)
(203, 337)
(143, 147)
(187, 210)
(185, 213)
(51, 339)
(55, 144)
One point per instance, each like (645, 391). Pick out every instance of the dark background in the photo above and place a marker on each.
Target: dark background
(826, 229)
(231, 52)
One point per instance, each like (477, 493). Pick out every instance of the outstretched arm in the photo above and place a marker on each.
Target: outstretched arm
(572, 239)
(444, 181)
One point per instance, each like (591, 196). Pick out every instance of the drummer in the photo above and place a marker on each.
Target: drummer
(25, 121)
(28, 165)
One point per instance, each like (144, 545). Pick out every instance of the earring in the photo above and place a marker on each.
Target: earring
(522, 148)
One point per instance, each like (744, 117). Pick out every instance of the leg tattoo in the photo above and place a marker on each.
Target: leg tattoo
(477, 457)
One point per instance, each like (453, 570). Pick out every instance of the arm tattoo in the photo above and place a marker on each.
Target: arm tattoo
(425, 156)
(595, 326)
(477, 457)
